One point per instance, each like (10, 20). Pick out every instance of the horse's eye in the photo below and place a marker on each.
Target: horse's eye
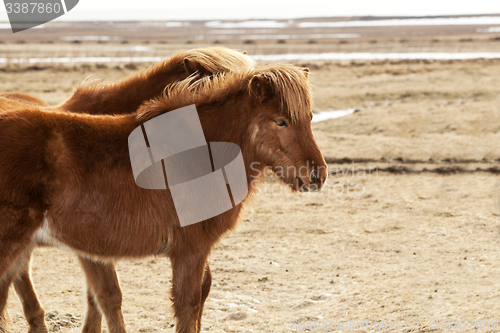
(281, 123)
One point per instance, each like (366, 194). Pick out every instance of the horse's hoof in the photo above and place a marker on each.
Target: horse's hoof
(38, 329)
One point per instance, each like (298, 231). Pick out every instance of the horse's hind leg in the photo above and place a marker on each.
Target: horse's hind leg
(16, 232)
(4, 293)
(33, 310)
(187, 290)
(205, 290)
(19, 274)
(5, 283)
(103, 282)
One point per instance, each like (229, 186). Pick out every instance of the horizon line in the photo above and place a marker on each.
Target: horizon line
(362, 17)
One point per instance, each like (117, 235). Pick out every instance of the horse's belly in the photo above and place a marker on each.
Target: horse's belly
(91, 240)
(45, 236)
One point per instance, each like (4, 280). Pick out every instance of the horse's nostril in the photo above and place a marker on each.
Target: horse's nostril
(314, 178)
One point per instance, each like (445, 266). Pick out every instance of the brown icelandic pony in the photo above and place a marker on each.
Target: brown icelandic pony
(122, 97)
(75, 170)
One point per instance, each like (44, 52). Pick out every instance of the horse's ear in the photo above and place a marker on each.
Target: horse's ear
(306, 71)
(192, 66)
(260, 87)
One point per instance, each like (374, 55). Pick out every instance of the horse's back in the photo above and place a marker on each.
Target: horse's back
(25, 99)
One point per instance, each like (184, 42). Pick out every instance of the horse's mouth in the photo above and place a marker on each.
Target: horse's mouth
(301, 186)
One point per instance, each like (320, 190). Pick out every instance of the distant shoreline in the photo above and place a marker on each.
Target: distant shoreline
(107, 17)
(305, 22)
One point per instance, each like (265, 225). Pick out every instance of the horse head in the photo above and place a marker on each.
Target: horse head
(280, 132)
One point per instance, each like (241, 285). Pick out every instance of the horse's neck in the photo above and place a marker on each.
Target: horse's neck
(125, 96)
(148, 84)
(229, 123)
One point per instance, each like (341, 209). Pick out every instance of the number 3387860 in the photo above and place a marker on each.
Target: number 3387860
(33, 7)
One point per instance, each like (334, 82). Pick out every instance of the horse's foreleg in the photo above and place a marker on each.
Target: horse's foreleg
(93, 317)
(33, 310)
(187, 290)
(103, 282)
(205, 290)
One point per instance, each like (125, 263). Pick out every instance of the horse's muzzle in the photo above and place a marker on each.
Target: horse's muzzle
(311, 187)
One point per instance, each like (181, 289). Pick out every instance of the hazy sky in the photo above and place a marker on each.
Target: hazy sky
(233, 9)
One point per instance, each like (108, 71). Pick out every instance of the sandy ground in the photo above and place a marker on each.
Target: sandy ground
(418, 242)
(410, 248)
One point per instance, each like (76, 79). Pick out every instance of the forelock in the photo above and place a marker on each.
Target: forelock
(292, 89)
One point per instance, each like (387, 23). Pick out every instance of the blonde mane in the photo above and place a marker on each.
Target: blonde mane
(289, 84)
(213, 59)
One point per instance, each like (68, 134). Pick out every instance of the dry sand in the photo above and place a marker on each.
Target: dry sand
(380, 247)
